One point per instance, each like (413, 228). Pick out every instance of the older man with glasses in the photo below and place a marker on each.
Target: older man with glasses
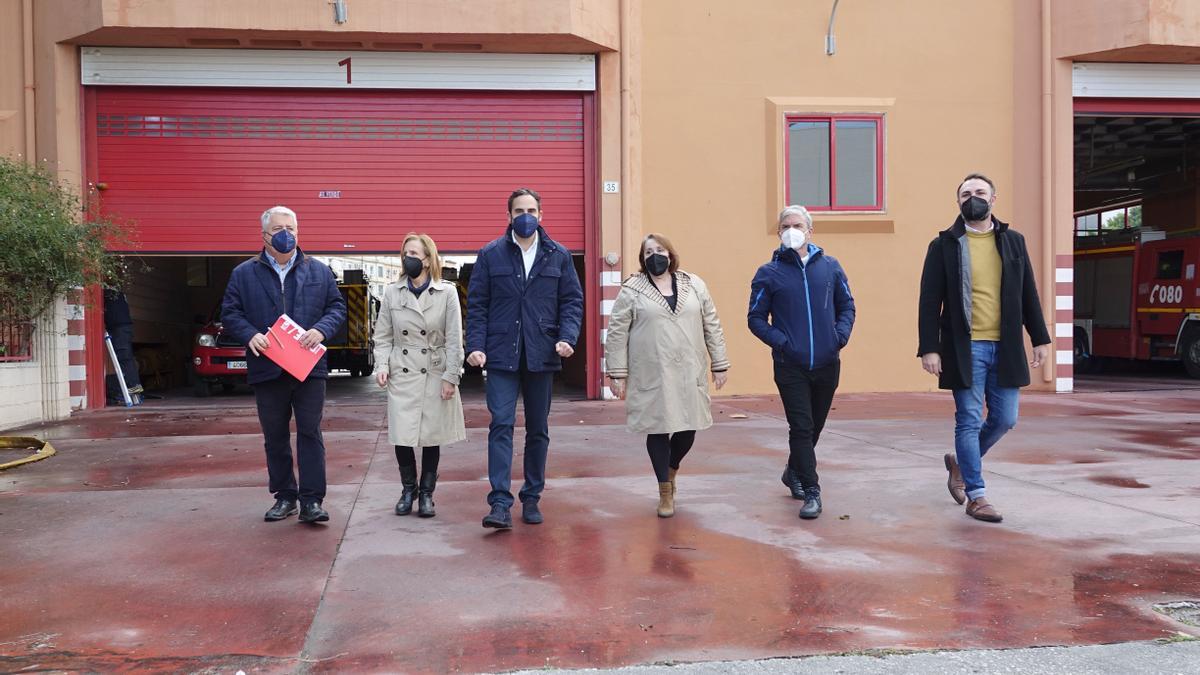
(282, 280)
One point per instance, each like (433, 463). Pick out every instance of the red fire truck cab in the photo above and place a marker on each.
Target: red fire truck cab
(1136, 297)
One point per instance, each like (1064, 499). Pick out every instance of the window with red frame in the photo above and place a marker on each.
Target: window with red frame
(835, 162)
(16, 336)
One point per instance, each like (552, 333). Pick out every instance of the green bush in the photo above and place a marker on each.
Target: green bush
(49, 243)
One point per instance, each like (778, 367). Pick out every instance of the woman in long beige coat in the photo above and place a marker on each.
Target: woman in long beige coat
(663, 339)
(419, 359)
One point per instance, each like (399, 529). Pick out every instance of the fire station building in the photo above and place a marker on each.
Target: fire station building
(697, 119)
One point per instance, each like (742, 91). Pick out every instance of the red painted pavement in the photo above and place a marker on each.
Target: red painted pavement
(141, 545)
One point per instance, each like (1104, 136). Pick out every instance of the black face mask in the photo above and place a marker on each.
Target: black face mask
(413, 266)
(974, 209)
(657, 264)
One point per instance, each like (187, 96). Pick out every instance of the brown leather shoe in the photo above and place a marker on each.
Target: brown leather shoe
(980, 509)
(958, 489)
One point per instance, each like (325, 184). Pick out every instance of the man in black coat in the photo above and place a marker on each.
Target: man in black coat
(977, 293)
(119, 324)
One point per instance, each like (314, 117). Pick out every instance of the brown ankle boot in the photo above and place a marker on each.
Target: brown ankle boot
(671, 479)
(666, 501)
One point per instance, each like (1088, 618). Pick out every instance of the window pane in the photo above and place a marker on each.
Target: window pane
(1113, 220)
(808, 163)
(1135, 216)
(1170, 265)
(856, 170)
(1089, 222)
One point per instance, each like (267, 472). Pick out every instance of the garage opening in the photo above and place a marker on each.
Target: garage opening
(192, 169)
(181, 351)
(1137, 242)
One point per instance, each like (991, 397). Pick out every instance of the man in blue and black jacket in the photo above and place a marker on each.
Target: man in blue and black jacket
(801, 306)
(282, 280)
(524, 312)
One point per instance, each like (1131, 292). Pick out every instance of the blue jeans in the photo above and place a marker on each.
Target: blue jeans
(973, 436)
(503, 387)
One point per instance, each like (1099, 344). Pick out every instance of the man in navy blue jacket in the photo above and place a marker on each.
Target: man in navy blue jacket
(801, 306)
(282, 280)
(524, 311)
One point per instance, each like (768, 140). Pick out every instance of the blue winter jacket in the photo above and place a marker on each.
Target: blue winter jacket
(254, 300)
(507, 312)
(804, 312)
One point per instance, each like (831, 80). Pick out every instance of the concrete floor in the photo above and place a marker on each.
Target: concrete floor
(141, 545)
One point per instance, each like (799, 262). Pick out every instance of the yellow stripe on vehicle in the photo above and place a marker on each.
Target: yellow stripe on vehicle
(1112, 249)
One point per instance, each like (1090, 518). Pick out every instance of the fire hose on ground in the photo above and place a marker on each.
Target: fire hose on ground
(42, 449)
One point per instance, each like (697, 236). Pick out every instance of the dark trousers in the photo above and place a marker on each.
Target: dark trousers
(430, 456)
(667, 451)
(807, 396)
(122, 341)
(503, 387)
(277, 400)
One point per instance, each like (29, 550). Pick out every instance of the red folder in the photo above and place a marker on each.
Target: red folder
(286, 350)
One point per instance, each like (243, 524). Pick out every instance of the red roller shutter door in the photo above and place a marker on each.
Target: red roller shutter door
(193, 169)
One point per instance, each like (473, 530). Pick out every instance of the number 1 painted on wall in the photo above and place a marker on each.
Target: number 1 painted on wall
(346, 62)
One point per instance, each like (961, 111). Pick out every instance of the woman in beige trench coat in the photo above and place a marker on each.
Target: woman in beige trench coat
(419, 359)
(663, 339)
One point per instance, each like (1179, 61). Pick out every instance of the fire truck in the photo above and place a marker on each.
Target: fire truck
(352, 348)
(1136, 297)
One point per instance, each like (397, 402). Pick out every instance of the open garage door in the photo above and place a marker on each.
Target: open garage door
(1137, 230)
(193, 168)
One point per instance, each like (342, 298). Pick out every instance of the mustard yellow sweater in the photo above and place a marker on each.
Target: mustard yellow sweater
(985, 286)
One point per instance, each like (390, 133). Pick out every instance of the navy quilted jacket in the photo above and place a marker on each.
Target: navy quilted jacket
(507, 313)
(254, 300)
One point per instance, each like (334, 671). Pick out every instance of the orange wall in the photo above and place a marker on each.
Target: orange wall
(12, 76)
(1127, 30)
(708, 72)
(493, 25)
(691, 95)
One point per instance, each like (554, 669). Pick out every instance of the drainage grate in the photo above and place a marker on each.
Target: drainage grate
(1184, 611)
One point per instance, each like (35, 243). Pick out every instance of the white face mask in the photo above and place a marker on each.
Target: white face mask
(793, 238)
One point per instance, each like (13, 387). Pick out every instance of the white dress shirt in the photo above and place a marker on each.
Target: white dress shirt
(528, 255)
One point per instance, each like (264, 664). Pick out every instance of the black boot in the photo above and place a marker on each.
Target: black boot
(425, 503)
(408, 478)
